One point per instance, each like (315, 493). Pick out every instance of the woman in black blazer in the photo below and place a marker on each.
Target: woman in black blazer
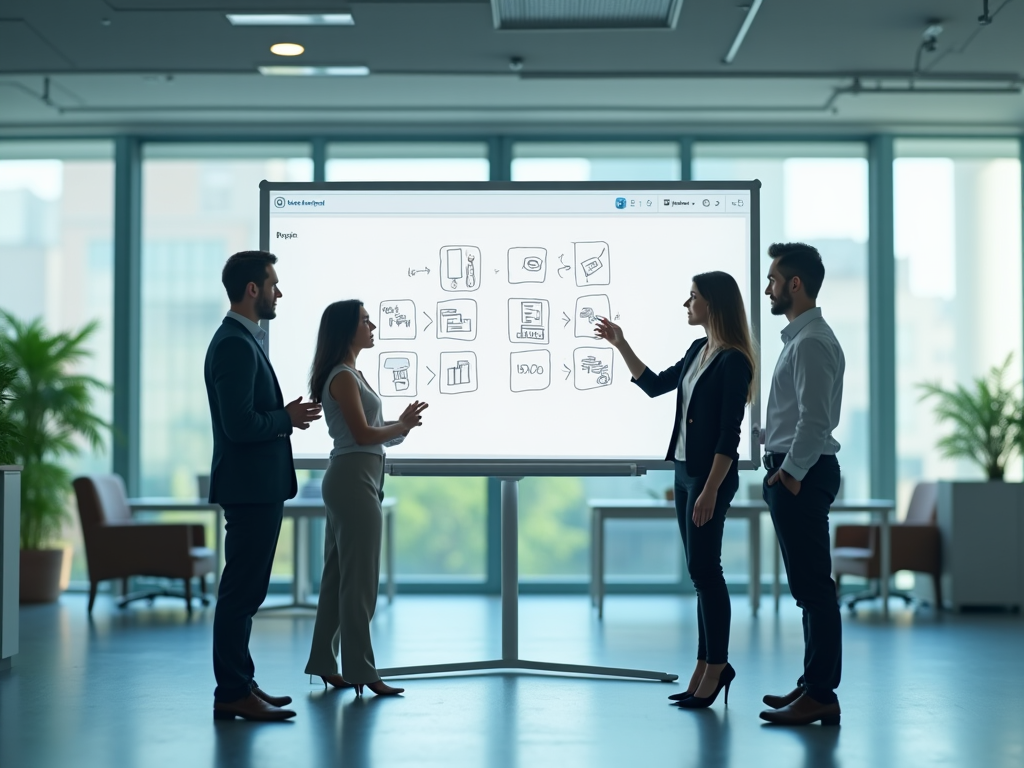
(713, 384)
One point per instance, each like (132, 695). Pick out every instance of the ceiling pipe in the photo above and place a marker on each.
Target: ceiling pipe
(755, 6)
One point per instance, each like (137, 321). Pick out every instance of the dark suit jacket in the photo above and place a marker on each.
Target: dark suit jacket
(252, 453)
(716, 407)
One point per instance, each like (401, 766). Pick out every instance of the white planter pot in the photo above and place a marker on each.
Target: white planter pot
(982, 526)
(10, 561)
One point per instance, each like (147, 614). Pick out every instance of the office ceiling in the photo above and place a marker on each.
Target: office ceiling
(821, 66)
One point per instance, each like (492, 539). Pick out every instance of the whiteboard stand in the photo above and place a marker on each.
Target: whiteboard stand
(510, 615)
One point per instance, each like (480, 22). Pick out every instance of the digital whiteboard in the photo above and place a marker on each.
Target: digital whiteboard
(485, 297)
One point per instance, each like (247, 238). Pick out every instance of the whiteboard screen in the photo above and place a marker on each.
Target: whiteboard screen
(485, 295)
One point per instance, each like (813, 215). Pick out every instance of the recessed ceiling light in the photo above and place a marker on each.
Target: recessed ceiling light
(290, 19)
(348, 71)
(286, 49)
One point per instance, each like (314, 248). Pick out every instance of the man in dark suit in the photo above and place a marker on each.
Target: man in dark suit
(252, 476)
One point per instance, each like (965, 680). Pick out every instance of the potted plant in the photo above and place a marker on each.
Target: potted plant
(981, 522)
(51, 407)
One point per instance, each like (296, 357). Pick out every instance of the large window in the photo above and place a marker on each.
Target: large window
(200, 204)
(56, 260)
(816, 194)
(596, 161)
(399, 161)
(958, 283)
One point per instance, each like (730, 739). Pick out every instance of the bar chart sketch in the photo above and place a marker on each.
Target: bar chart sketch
(458, 373)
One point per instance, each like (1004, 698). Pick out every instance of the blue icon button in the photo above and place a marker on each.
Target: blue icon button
(620, 202)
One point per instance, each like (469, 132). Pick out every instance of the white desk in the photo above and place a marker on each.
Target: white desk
(637, 509)
(300, 510)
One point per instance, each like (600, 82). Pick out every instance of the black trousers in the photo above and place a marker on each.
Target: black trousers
(801, 524)
(703, 548)
(250, 541)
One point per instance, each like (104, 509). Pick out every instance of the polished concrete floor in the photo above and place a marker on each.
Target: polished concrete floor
(133, 689)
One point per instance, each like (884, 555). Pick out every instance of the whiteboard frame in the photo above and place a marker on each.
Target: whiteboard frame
(556, 467)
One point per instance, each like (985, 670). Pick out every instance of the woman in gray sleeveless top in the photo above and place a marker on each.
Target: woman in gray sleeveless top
(352, 491)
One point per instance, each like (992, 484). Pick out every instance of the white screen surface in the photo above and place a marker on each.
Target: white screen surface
(484, 301)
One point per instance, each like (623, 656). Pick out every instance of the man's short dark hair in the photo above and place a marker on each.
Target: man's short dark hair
(243, 268)
(800, 260)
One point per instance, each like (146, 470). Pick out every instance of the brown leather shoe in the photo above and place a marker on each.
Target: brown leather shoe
(778, 702)
(803, 711)
(276, 701)
(252, 707)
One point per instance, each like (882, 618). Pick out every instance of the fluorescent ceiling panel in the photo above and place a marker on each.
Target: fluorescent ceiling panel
(348, 71)
(593, 14)
(291, 19)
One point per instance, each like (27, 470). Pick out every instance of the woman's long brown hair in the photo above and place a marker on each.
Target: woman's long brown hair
(338, 326)
(727, 318)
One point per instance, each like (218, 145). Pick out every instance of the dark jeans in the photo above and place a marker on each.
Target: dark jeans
(801, 523)
(250, 541)
(703, 547)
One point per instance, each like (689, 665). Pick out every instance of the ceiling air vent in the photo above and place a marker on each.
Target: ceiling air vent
(585, 14)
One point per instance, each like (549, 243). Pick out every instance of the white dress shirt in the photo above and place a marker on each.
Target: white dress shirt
(806, 394)
(697, 367)
(257, 332)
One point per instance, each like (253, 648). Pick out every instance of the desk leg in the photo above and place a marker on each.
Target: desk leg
(300, 547)
(599, 555)
(754, 522)
(510, 616)
(885, 558)
(776, 570)
(218, 548)
(389, 552)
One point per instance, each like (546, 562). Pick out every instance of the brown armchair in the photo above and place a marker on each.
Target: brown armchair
(117, 547)
(915, 546)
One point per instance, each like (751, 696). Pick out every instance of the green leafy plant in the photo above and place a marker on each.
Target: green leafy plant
(51, 407)
(986, 419)
(9, 433)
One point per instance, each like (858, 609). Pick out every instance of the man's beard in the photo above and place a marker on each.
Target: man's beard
(265, 308)
(782, 303)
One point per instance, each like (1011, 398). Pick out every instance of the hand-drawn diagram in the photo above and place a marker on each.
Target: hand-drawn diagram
(460, 268)
(397, 319)
(458, 373)
(396, 374)
(531, 370)
(592, 367)
(593, 263)
(529, 321)
(527, 265)
(456, 319)
(588, 310)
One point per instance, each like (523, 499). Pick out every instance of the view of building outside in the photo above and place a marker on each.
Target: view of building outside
(402, 161)
(56, 263)
(816, 194)
(958, 281)
(200, 204)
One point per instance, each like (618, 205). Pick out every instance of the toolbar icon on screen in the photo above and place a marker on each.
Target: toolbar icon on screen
(620, 203)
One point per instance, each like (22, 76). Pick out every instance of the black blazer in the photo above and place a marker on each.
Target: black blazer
(716, 407)
(252, 454)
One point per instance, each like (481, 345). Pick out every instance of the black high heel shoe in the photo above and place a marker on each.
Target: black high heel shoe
(724, 681)
(682, 695)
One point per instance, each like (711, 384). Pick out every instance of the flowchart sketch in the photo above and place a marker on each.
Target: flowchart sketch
(531, 370)
(460, 268)
(397, 319)
(592, 367)
(529, 321)
(593, 263)
(456, 319)
(396, 374)
(527, 265)
(458, 373)
(588, 310)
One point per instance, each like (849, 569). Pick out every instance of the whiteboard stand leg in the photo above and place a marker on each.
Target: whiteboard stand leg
(510, 660)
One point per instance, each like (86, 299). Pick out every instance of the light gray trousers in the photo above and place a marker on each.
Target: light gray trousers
(348, 590)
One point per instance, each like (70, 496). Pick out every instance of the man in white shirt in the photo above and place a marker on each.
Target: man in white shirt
(803, 476)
